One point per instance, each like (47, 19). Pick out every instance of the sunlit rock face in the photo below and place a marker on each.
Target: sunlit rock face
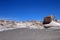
(48, 19)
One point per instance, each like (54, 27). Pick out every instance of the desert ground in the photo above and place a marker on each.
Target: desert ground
(30, 34)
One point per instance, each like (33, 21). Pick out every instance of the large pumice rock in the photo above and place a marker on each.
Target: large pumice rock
(48, 19)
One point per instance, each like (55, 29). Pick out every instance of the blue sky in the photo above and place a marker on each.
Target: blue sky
(29, 9)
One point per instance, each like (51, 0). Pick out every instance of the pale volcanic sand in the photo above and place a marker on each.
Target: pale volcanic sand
(30, 34)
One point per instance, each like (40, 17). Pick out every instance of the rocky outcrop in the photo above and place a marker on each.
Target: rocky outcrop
(48, 19)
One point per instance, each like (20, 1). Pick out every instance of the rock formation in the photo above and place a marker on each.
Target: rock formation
(48, 19)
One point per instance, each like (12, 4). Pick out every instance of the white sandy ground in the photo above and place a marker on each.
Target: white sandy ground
(53, 24)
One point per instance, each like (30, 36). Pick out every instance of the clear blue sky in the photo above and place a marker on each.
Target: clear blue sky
(29, 9)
